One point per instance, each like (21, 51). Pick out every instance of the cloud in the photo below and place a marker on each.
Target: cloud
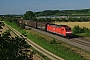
(31, 2)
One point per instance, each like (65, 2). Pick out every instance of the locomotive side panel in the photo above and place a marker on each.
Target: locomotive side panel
(61, 31)
(51, 28)
(55, 29)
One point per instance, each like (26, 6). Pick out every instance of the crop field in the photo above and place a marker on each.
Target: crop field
(72, 24)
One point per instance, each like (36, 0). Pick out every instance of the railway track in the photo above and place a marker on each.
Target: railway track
(85, 40)
(81, 42)
(37, 47)
(78, 42)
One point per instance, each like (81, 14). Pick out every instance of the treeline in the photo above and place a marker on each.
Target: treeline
(81, 19)
(29, 15)
(80, 12)
(70, 19)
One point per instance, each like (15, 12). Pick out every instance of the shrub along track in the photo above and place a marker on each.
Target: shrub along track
(37, 47)
(78, 42)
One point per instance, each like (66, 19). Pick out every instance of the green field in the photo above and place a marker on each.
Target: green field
(58, 49)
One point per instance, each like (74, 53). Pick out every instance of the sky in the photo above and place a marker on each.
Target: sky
(21, 6)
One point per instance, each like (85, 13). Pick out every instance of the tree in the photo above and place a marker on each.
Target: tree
(29, 15)
(11, 48)
(1, 18)
(76, 29)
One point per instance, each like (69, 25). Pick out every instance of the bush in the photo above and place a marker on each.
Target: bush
(79, 30)
(76, 29)
(53, 41)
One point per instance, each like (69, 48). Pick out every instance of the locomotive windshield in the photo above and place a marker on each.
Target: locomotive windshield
(68, 28)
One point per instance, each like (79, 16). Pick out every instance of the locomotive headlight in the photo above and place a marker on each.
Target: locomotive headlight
(68, 32)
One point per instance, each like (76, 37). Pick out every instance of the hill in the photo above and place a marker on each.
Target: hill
(80, 12)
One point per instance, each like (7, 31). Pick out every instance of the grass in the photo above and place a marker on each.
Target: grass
(57, 49)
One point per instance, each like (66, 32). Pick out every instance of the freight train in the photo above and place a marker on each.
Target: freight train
(62, 30)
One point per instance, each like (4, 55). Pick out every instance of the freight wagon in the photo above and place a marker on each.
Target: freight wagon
(33, 24)
(42, 25)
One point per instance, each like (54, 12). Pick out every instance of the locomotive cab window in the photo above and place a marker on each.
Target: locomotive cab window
(68, 28)
(62, 29)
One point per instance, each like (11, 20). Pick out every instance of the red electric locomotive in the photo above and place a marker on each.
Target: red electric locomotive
(63, 30)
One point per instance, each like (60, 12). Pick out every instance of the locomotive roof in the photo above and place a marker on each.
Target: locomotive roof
(59, 25)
